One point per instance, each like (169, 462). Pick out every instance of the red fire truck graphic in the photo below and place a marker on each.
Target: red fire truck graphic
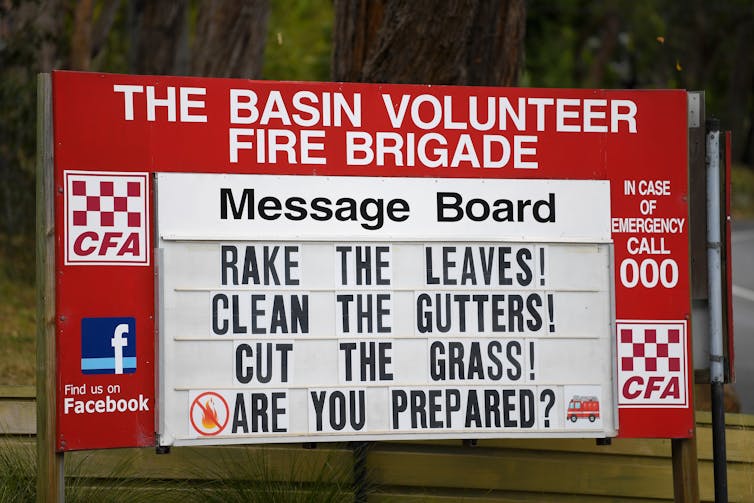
(587, 407)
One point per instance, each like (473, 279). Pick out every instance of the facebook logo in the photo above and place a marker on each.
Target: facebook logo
(108, 345)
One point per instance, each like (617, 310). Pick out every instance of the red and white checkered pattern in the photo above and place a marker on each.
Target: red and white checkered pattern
(651, 350)
(110, 209)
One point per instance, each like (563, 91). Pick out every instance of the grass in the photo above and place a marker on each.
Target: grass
(251, 478)
(18, 478)
(17, 312)
(254, 478)
(17, 471)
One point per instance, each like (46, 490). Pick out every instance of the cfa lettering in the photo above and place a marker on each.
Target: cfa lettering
(89, 242)
(653, 388)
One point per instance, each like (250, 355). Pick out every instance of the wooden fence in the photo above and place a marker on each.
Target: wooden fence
(432, 471)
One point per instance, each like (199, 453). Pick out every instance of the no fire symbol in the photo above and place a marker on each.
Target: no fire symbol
(209, 413)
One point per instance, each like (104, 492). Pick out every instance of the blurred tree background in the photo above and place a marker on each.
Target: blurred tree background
(695, 45)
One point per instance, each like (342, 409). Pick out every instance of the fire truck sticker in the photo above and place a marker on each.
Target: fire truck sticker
(652, 363)
(583, 407)
(106, 217)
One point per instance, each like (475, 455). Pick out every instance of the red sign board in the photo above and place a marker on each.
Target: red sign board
(113, 132)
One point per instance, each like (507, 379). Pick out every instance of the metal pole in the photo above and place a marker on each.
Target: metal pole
(714, 279)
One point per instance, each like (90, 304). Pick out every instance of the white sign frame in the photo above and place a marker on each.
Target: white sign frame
(186, 239)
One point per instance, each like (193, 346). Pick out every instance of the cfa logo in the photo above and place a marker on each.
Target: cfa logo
(106, 216)
(108, 345)
(652, 363)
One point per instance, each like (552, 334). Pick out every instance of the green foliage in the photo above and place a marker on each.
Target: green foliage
(657, 42)
(17, 120)
(299, 40)
(742, 189)
(650, 44)
(553, 27)
(610, 44)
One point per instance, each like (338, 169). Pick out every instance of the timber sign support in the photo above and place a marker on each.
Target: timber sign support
(263, 262)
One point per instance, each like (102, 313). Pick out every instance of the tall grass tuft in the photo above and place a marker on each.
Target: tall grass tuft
(115, 486)
(18, 470)
(228, 475)
(18, 478)
(251, 477)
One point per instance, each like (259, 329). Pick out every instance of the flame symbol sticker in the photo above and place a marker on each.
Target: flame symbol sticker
(209, 413)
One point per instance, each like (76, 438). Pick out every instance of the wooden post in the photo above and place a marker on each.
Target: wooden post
(50, 476)
(685, 471)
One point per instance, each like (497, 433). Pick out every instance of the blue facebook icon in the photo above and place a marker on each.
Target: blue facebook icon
(108, 345)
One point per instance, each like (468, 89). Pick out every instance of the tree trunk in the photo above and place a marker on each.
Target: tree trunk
(230, 38)
(158, 37)
(464, 42)
(81, 39)
(89, 34)
(102, 25)
(608, 42)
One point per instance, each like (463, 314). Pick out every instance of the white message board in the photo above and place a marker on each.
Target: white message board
(305, 309)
